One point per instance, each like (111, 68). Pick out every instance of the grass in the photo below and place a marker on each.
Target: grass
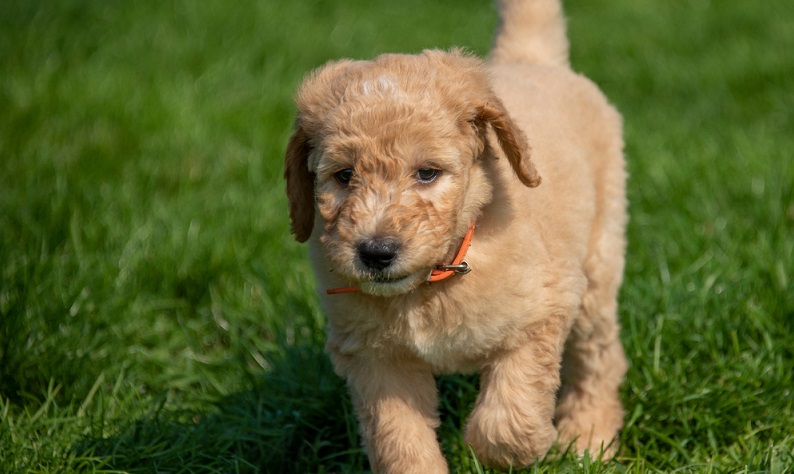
(156, 316)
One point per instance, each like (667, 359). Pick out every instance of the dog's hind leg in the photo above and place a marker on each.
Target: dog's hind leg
(589, 410)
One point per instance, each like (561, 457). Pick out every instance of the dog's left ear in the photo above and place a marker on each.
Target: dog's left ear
(300, 184)
(511, 139)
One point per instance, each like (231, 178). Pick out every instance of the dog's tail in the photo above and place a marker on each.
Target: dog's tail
(531, 32)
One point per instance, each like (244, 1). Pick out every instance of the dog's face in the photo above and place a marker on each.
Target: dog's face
(390, 153)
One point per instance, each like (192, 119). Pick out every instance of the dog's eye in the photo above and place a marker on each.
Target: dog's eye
(427, 175)
(344, 176)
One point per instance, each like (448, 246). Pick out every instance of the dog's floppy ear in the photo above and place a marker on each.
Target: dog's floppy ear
(318, 93)
(300, 184)
(470, 83)
(511, 139)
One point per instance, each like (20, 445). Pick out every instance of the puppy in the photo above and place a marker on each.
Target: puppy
(414, 182)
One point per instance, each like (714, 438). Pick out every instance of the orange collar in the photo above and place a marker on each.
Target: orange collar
(440, 272)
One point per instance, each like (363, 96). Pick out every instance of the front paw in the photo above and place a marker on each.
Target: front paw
(503, 440)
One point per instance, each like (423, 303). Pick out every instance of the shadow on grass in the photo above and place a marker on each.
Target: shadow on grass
(296, 418)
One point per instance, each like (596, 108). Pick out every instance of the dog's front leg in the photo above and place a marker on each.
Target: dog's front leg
(512, 420)
(396, 401)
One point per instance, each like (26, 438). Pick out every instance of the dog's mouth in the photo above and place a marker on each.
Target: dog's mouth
(390, 285)
(388, 279)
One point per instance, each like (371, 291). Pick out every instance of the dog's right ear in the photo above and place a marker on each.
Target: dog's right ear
(320, 92)
(300, 184)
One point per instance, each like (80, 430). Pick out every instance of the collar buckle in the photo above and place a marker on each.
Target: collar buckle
(461, 269)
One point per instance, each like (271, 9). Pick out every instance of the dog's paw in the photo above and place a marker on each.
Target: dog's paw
(508, 440)
(590, 428)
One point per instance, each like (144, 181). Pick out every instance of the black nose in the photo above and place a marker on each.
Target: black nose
(378, 254)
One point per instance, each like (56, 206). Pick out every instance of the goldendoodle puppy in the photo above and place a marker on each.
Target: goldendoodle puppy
(442, 251)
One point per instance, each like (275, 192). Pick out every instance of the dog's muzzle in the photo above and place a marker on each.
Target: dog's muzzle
(378, 254)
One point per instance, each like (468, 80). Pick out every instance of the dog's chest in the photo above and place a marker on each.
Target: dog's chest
(452, 342)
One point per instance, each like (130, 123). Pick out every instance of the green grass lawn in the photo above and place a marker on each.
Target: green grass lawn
(156, 315)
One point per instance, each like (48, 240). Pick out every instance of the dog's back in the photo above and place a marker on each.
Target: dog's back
(574, 134)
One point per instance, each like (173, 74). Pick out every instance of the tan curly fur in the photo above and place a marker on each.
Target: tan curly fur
(391, 161)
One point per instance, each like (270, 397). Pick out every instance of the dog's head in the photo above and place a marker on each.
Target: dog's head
(390, 154)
